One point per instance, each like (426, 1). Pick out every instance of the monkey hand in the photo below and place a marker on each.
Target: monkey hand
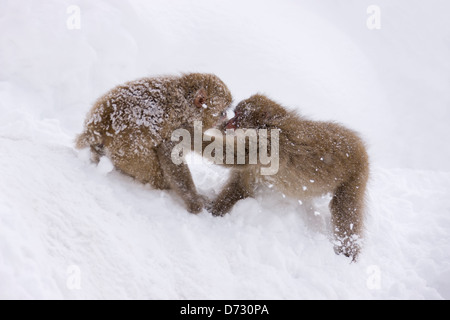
(199, 203)
(215, 208)
(195, 206)
(208, 204)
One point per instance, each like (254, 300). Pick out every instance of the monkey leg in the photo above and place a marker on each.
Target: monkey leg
(240, 186)
(143, 167)
(179, 178)
(347, 216)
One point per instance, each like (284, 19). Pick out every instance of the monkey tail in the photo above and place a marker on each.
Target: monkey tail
(85, 140)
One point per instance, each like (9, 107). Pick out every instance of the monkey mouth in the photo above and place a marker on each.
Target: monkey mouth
(231, 125)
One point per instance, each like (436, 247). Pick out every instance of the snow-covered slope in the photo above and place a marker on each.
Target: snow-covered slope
(69, 229)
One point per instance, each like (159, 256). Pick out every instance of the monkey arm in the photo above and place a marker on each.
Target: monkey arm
(179, 178)
(241, 185)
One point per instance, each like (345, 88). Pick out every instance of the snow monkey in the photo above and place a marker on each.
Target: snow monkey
(132, 125)
(315, 158)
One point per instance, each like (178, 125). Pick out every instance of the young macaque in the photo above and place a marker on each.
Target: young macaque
(132, 125)
(315, 158)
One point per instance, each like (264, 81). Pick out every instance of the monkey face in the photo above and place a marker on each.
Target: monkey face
(235, 122)
(247, 116)
(257, 112)
(213, 107)
(207, 96)
(213, 111)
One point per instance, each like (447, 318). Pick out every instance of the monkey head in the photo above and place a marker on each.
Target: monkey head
(257, 112)
(207, 96)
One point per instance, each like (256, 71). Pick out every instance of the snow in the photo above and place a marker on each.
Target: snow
(105, 166)
(72, 230)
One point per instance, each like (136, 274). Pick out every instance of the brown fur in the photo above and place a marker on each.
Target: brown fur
(132, 124)
(316, 158)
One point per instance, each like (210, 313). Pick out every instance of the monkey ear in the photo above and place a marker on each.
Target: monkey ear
(200, 98)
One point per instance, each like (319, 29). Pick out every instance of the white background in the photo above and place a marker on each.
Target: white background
(57, 210)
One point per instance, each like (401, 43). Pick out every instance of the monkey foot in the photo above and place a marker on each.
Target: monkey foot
(348, 247)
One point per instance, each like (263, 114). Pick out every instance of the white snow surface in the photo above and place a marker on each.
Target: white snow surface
(72, 230)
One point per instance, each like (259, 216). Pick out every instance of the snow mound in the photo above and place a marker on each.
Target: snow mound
(70, 229)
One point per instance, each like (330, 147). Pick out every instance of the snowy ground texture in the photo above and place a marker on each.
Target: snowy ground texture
(69, 229)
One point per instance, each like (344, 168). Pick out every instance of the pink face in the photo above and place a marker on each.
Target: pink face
(233, 123)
